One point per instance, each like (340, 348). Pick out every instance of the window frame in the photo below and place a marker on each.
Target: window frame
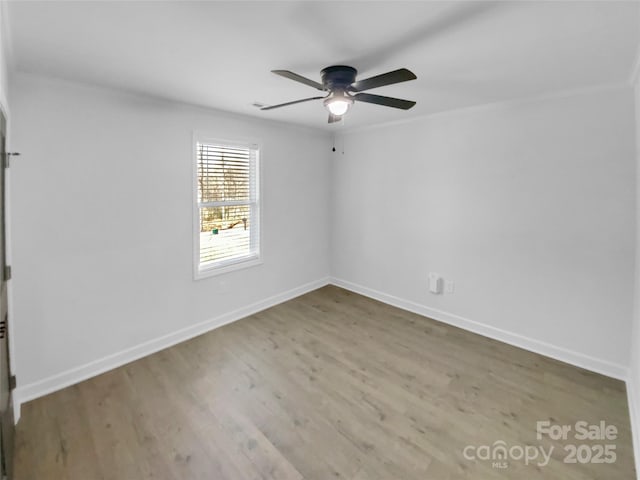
(217, 268)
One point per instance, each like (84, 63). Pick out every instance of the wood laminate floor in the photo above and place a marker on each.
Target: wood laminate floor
(330, 385)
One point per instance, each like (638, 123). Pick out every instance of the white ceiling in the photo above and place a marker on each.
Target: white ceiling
(219, 54)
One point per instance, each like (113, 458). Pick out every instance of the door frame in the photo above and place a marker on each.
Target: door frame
(9, 253)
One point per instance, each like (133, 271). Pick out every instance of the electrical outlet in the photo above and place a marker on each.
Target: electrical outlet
(449, 286)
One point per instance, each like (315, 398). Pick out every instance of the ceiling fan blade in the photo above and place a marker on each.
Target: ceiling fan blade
(334, 118)
(386, 101)
(389, 78)
(271, 107)
(298, 78)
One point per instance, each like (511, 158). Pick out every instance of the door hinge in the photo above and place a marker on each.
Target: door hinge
(7, 158)
(7, 273)
(13, 383)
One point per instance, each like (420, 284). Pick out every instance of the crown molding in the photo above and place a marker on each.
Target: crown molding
(496, 105)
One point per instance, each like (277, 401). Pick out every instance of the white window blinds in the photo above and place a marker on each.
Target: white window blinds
(228, 204)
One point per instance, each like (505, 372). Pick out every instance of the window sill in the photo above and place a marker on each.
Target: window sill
(212, 270)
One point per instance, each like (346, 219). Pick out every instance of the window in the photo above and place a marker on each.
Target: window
(227, 214)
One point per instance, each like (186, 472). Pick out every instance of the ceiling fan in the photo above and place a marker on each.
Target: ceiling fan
(340, 82)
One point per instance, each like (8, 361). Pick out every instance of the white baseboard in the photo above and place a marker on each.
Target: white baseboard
(633, 398)
(72, 376)
(587, 362)
(30, 391)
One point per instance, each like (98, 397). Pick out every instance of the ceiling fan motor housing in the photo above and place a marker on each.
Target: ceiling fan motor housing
(338, 77)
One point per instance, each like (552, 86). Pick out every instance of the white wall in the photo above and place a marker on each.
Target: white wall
(102, 202)
(528, 207)
(4, 57)
(633, 383)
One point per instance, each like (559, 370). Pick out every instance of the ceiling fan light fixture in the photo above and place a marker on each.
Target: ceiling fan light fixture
(338, 104)
(343, 89)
